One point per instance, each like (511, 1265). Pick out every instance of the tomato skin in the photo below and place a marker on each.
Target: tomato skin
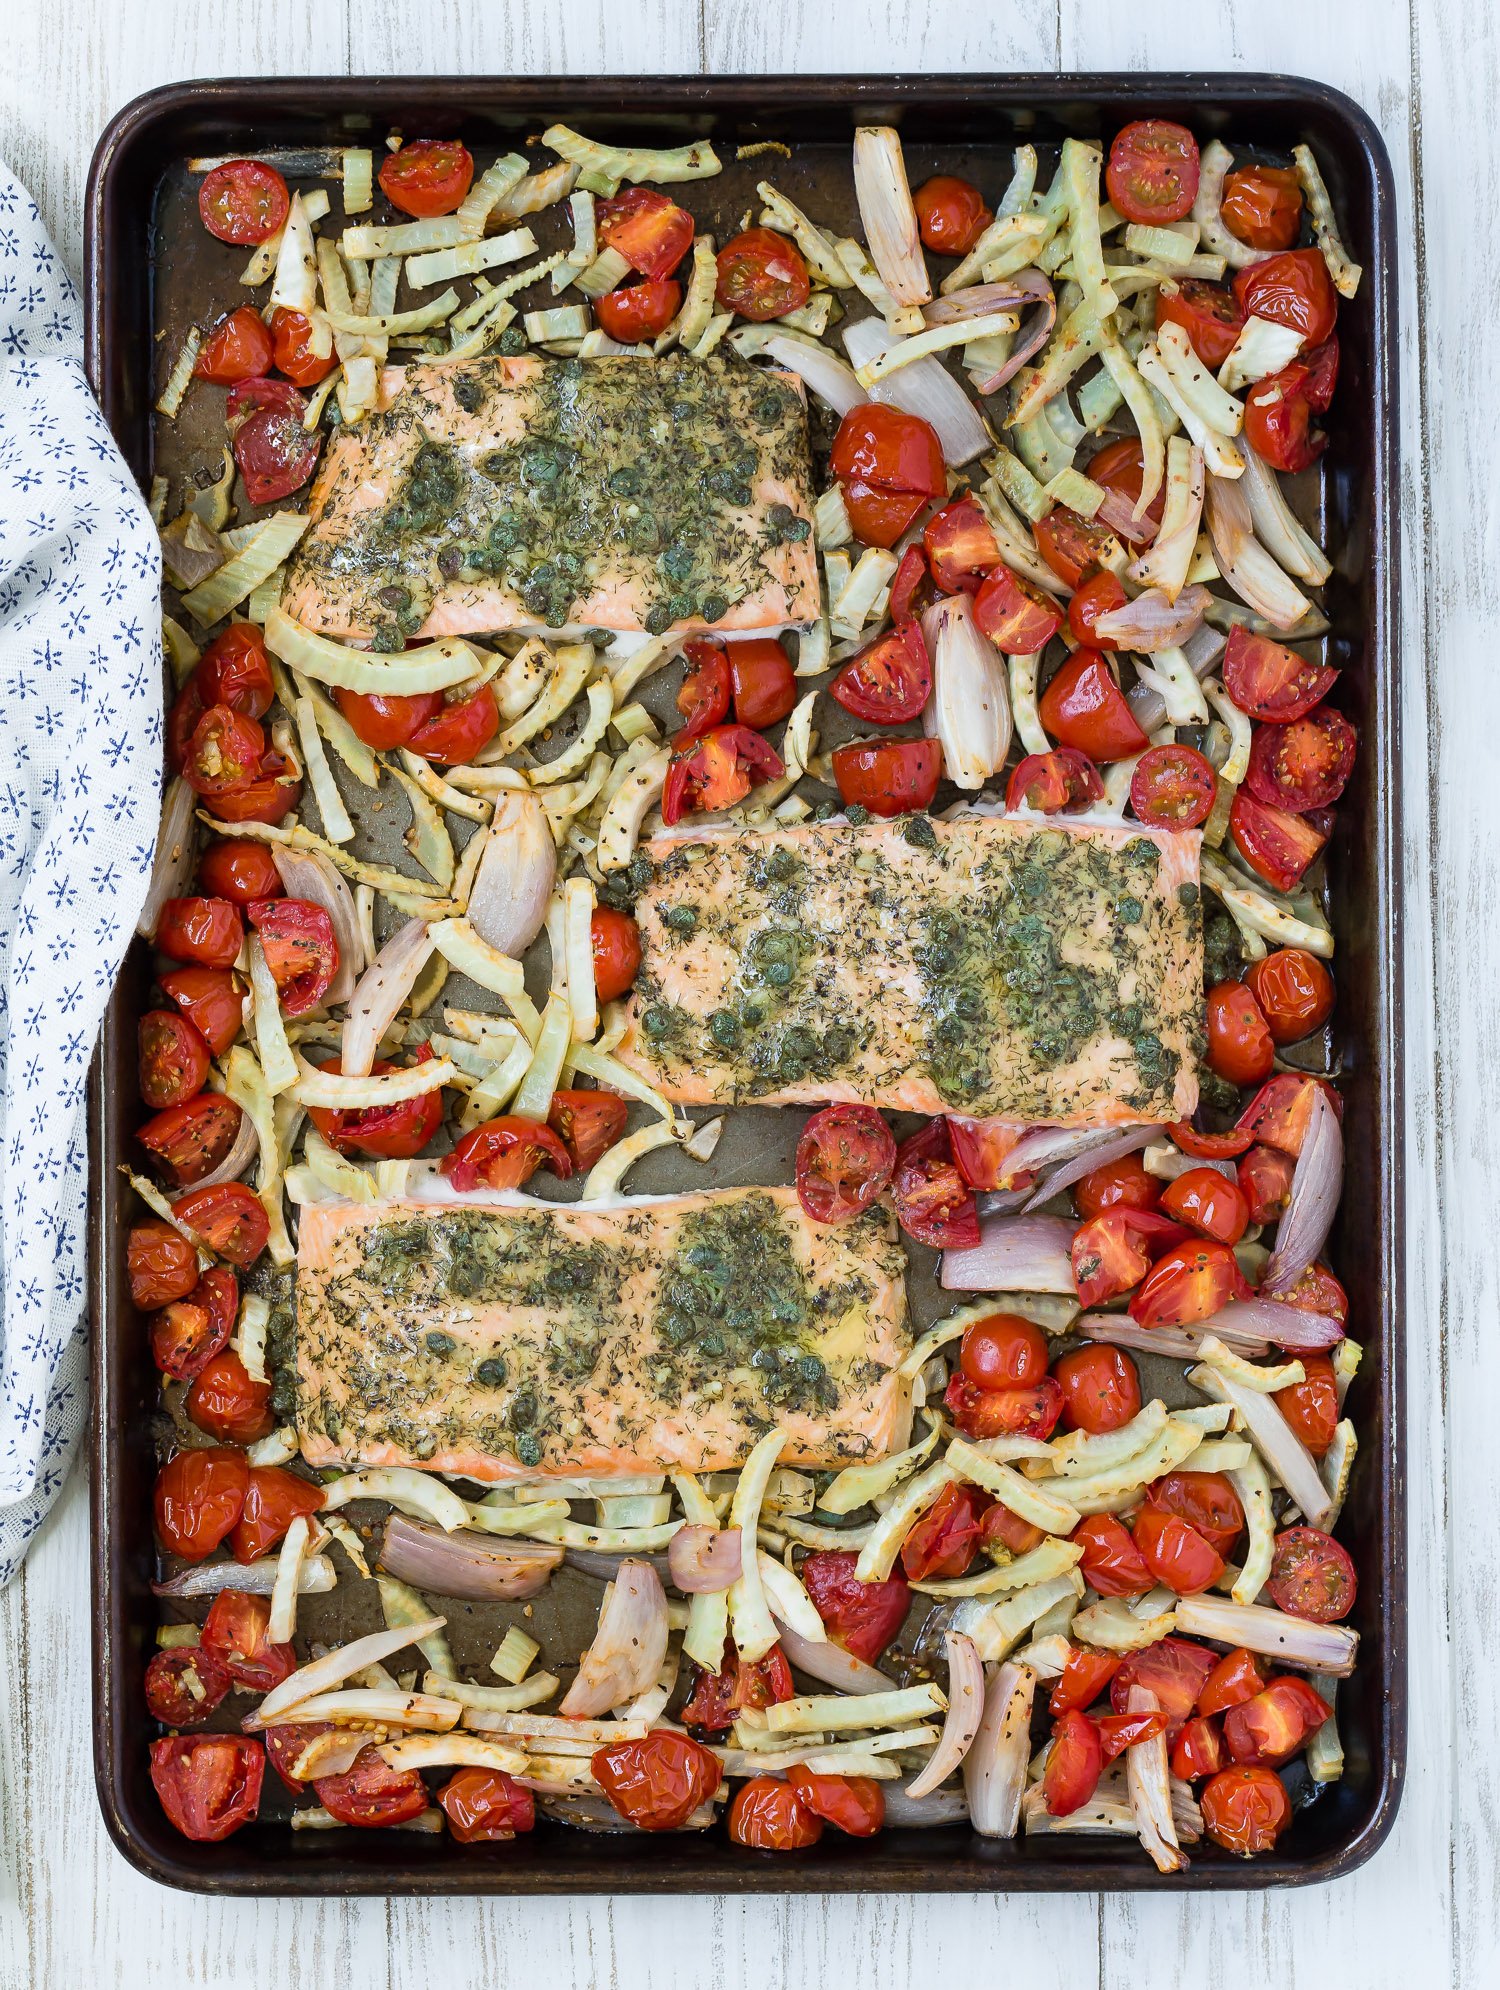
(1292, 289)
(846, 1155)
(300, 948)
(933, 1202)
(1152, 171)
(227, 1403)
(885, 447)
(1074, 1764)
(1017, 1536)
(1262, 206)
(911, 587)
(229, 1219)
(1312, 1576)
(587, 1123)
(1003, 1351)
(879, 517)
(760, 673)
(951, 214)
(1015, 614)
(1279, 410)
(235, 1632)
(1096, 594)
(1058, 783)
(187, 1333)
(235, 670)
(1305, 764)
(272, 795)
(1029, 1411)
(1295, 993)
(276, 454)
(1175, 1552)
(615, 940)
(1209, 1146)
(372, 1795)
(224, 753)
(769, 1816)
(187, 709)
(285, 1742)
(658, 1781)
(1269, 1730)
(1101, 1388)
(173, 1059)
(889, 681)
(1265, 1179)
(456, 732)
(273, 1500)
(943, 1540)
(1115, 1183)
(170, 1697)
(704, 694)
(385, 1133)
(1245, 1810)
(505, 1153)
(384, 721)
(1069, 544)
(485, 1806)
(189, 1141)
(888, 776)
(862, 1617)
(1085, 1674)
(1311, 1406)
(233, 867)
(1239, 1044)
(1281, 1111)
(197, 1499)
(208, 1784)
(982, 1149)
(650, 231)
(1277, 845)
(1173, 787)
(1198, 1750)
(718, 1696)
(1083, 707)
(238, 348)
(291, 334)
(854, 1805)
(1318, 1291)
(959, 544)
(1109, 1256)
(1111, 1561)
(639, 311)
(208, 931)
(1190, 1283)
(717, 771)
(1208, 1203)
(1117, 1732)
(1237, 1676)
(761, 276)
(1207, 1501)
(1173, 1669)
(429, 176)
(1269, 681)
(1121, 467)
(243, 202)
(1209, 313)
(162, 1266)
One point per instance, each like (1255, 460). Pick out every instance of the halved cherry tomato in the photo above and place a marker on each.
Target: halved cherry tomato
(1292, 289)
(161, 1265)
(854, 1805)
(1003, 1351)
(276, 454)
(209, 997)
(1075, 1762)
(301, 951)
(846, 1156)
(761, 276)
(1269, 681)
(188, 1332)
(1277, 845)
(1121, 467)
(1117, 1732)
(1279, 410)
(718, 1696)
(197, 1500)
(173, 1059)
(769, 1816)
(650, 231)
(224, 753)
(427, 177)
(1031, 1411)
(760, 673)
(1096, 594)
(485, 1806)
(1295, 993)
(1281, 1110)
(274, 793)
(184, 1686)
(1191, 1283)
(640, 310)
(889, 681)
(884, 446)
(1208, 1203)
(1265, 1732)
(1262, 206)
(505, 1153)
(943, 1540)
(1207, 1501)
(292, 334)
(717, 771)
(1209, 313)
(228, 1403)
(1084, 707)
(233, 867)
(951, 214)
(888, 776)
(1109, 1256)
(1318, 1291)
(1173, 1669)
(587, 1123)
(1085, 1674)
(1239, 1675)
(933, 1202)
(235, 670)
(1114, 1183)
(234, 1631)
(703, 696)
(615, 940)
(385, 1133)
(189, 1141)
(659, 1780)
(1175, 1553)
(1111, 1561)
(243, 202)
(1304, 764)
(372, 1794)
(1265, 1179)
(1209, 1146)
(1101, 1388)
(208, 1784)
(386, 721)
(229, 1219)
(1173, 787)
(1239, 1044)
(1312, 1576)
(238, 348)
(959, 544)
(981, 1148)
(1015, 614)
(1198, 1750)
(862, 1617)
(1245, 1810)
(1311, 1406)
(1015, 1535)
(879, 517)
(456, 732)
(911, 587)
(273, 1500)
(1058, 783)
(1071, 545)
(1152, 173)
(286, 1742)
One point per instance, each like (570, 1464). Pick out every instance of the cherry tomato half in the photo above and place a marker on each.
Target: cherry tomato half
(1111, 1561)
(1279, 409)
(1207, 1202)
(455, 732)
(1191, 1283)
(224, 753)
(1058, 783)
(294, 348)
(1030, 1411)
(879, 517)
(1075, 1762)
(173, 1059)
(761, 276)
(1101, 1388)
(1277, 845)
(161, 1264)
(208, 1784)
(933, 1202)
(1245, 1810)
(372, 1794)
(184, 1686)
(769, 1816)
(1269, 1730)
(1121, 467)
(1096, 594)
(1015, 1535)
(189, 1141)
(1311, 1406)
(1281, 1110)
(427, 177)
(911, 587)
(890, 680)
(982, 1147)
(276, 454)
(658, 1781)
(951, 214)
(235, 1632)
(1239, 1675)
(587, 1123)
(197, 1500)
(188, 1332)
(385, 721)
(1269, 681)
(888, 776)
(1152, 172)
(1265, 1179)
(1084, 707)
(238, 348)
(1173, 787)
(387, 1133)
(505, 1153)
(650, 231)
(233, 867)
(1209, 313)
(274, 793)
(854, 1805)
(243, 202)
(1312, 1576)
(485, 1806)
(1015, 614)
(1198, 1750)
(1117, 1732)
(717, 771)
(615, 941)
(228, 1403)
(862, 1617)
(206, 930)
(1071, 545)
(1206, 1500)
(639, 311)
(1175, 1552)
(1261, 206)
(1085, 1674)
(1239, 1043)
(301, 951)
(1292, 289)
(846, 1156)
(229, 1219)
(942, 1541)
(704, 694)
(889, 449)
(959, 544)
(1109, 1256)
(760, 675)
(1295, 993)
(1114, 1183)
(1003, 1351)
(1173, 1669)
(273, 1500)
(1304, 764)
(718, 1696)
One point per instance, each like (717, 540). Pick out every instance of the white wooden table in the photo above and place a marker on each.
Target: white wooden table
(1427, 1909)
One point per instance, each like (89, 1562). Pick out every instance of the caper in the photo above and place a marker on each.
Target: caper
(491, 1373)
(450, 562)
(724, 1028)
(658, 619)
(656, 1022)
(767, 410)
(540, 464)
(715, 607)
(857, 813)
(394, 596)
(512, 341)
(624, 482)
(680, 607)
(528, 1449)
(440, 1343)
(681, 918)
(1130, 910)
(797, 531)
(779, 973)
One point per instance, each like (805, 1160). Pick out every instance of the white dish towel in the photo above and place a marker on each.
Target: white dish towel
(80, 784)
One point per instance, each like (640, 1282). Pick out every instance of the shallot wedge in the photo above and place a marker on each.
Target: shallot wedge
(831, 1665)
(1181, 1343)
(1014, 1254)
(1149, 1788)
(316, 1577)
(243, 1151)
(1313, 1202)
(309, 874)
(1152, 622)
(889, 215)
(172, 869)
(961, 1722)
(1100, 1149)
(463, 1564)
(704, 1560)
(995, 1766)
(969, 710)
(924, 388)
(628, 1646)
(379, 993)
(518, 868)
(1280, 1322)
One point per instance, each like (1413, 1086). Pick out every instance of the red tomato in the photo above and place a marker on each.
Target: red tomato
(1015, 1535)
(650, 231)
(1277, 845)
(1265, 1179)
(208, 1784)
(1311, 1406)
(1085, 708)
(228, 1218)
(1209, 1146)
(187, 709)
(1269, 681)
(1085, 1675)
(1239, 1044)
(1115, 1183)
(273, 1500)
(1032, 1411)
(846, 1156)
(197, 1500)
(184, 1686)
(717, 771)
(718, 1696)
(1198, 1750)
(300, 948)
(1173, 787)
(454, 733)
(761, 275)
(1262, 206)
(206, 930)
(1245, 1810)
(1003, 1351)
(189, 1332)
(1175, 1553)
(385, 1133)
(639, 311)
(1071, 545)
(292, 334)
(885, 447)
(943, 1540)
(1279, 410)
(1206, 1501)
(1111, 1561)
(615, 940)
(703, 696)
(959, 544)
(1152, 173)
(224, 753)
(243, 202)
(429, 176)
(235, 670)
(982, 1148)
(889, 681)
(587, 1123)
(1209, 313)
(1303, 765)
(1101, 1389)
(1097, 594)
(173, 1059)
(888, 776)
(161, 1266)
(933, 1202)
(1173, 1669)
(385, 722)
(1109, 1256)
(1208, 1203)
(1015, 614)
(879, 517)
(1268, 1730)
(911, 587)
(189, 1141)
(1295, 993)
(1121, 467)
(769, 1816)
(238, 348)
(286, 1743)
(227, 1403)
(273, 794)
(1281, 1110)
(1312, 1576)
(1191, 1283)
(1237, 1676)
(1058, 783)
(854, 1805)
(485, 1806)
(233, 867)
(1292, 289)
(505, 1153)
(276, 454)
(372, 1794)
(658, 1781)
(234, 1631)
(1075, 1762)
(862, 1617)
(1117, 1732)
(760, 673)
(1318, 1291)
(951, 214)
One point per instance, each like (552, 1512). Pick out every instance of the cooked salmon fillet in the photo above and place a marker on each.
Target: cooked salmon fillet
(624, 494)
(491, 1342)
(1041, 972)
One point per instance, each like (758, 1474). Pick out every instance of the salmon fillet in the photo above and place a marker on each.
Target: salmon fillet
(623, 494)
(1040, 972)
(493, 1342)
